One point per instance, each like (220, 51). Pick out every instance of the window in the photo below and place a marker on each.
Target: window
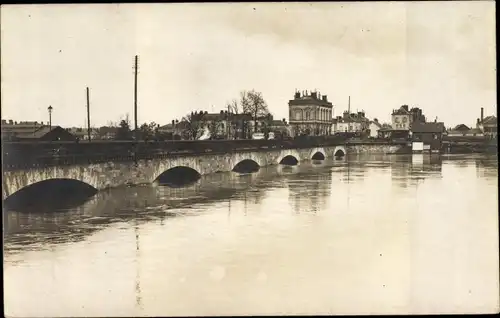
(298, 114)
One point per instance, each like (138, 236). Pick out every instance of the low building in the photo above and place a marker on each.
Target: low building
(374, 127)
(46, 133)
(427, 137)
(351, 123)
(487, 125)
(82, 133)
(11, 129)
(464, 131)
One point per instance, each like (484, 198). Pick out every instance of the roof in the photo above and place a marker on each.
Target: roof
(490, 120)
(40, 132)
(309, 101)
(375, 123)
(401, 111)
(435, 127)
(21, 128)
(461, 127)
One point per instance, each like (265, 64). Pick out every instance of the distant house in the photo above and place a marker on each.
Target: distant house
(106, 132)
(385, 131)
(464, 131)
(374, 127)
(403, 117)
(427, 136)
(487, 125)
(55, 133)
(350, 123)
(11, 129)
(82, 133)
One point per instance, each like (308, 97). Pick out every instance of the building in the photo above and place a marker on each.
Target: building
(464, 131)
(174, 130)
(11, 129)
(82, 133)
(350, 122)
(487, 125)
(374, 128)
(427, 137)
(403, 118)
(46, 133)
(310, 114)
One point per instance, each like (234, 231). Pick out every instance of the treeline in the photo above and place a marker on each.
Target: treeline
(243, 116)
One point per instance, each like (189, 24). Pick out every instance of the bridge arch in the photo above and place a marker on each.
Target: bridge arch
(16, 180)
(288, 157)
(318, 154)
(48, 193)
(247, 166)
(339, 151)
(178, 176)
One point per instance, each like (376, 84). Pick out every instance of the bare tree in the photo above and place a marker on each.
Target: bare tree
(253, 103)
(214, 127)
(233, 107)
(194, 124)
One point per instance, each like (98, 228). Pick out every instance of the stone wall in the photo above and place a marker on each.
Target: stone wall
(375, 149)
(114, 174)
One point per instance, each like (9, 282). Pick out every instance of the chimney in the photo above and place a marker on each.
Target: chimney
(324, 98)
(313, 95)
(297, 95)
(482, 114)
(11, 122)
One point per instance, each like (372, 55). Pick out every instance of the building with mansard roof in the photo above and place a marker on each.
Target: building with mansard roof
(310, 114)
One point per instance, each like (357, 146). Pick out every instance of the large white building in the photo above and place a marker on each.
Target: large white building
(310, 114)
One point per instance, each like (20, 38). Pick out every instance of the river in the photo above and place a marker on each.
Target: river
(361, 235)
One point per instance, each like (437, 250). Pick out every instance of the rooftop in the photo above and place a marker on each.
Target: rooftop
(435, 127)
(310, 98)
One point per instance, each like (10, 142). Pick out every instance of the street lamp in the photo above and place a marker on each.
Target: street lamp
(50, 117)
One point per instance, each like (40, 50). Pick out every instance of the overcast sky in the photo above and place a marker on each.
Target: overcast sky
(439, 56)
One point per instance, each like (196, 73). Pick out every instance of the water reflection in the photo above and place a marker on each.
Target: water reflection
(409, 170)
(308, 191)
(337, 229)
(139, 204)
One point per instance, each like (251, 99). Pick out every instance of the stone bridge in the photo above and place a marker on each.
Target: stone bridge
(114, 174)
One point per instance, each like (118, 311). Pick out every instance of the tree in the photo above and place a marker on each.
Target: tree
(267, 125)
(195, 122)
(214, 127)
(123, 132)
(253, 103)
(233, 106)
(148, 131)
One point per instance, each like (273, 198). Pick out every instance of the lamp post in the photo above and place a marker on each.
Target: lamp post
(50, 117)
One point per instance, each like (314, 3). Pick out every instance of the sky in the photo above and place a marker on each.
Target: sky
(439, 56)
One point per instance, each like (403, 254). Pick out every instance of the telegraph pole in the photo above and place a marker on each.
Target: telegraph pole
(88, 113)
(135, 96)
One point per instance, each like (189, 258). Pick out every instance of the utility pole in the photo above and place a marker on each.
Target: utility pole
(228, 121)
(88, 113)
(135, 96)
